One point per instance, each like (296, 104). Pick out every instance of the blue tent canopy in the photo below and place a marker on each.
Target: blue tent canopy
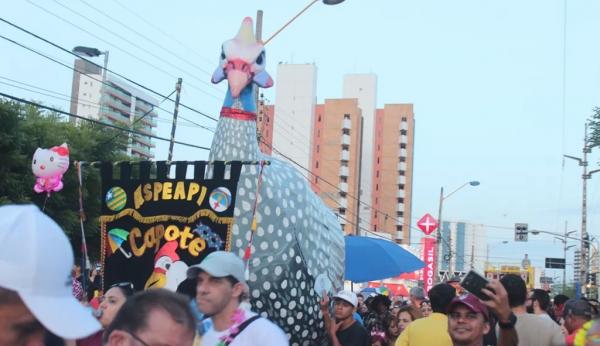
(370, 259)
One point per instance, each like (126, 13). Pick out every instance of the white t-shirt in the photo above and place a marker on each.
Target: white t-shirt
(536, 330)
(260, 332)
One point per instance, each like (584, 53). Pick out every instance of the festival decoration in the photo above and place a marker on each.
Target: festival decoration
(294, 236)
(154, 228)
(48, 166)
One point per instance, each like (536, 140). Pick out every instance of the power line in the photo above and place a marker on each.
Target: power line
(164, 61)
(91, 62)
(20, 100)
(146, 38)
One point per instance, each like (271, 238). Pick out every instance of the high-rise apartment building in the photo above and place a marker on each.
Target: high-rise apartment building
(363, 87)
(115, 102)
(336, 152)
(468, 247)
(295, 99)
(264, 126)
(392, 166)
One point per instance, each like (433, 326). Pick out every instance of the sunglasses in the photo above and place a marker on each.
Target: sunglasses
(125, 284)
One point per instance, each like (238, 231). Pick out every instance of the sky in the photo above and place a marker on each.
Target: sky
(501, 89)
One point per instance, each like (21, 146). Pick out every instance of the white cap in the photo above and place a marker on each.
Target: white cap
(36, 261)
(348, 296)
(220, 264)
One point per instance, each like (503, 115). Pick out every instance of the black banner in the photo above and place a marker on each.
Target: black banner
(155, 226)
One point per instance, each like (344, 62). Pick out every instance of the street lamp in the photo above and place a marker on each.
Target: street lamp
(326, 2)
(487, 252)
(439, 234)
(91, 53)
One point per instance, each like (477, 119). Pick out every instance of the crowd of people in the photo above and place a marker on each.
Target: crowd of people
(41, 304)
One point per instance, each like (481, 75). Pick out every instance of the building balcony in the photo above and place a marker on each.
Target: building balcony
(403, 125)
(399, 235)
(346, 124)
(399, 221)
(403, 152)
(147, 131)
(343, 187)
(114, 116)
(142, 106)
(345, 155)
(401, 166)
(403, 139)
(400, 194)
(344, 171)
(343, 202)
(401, 180)
(115, 103)
(345, 139)
(148, 119)
(400, 207)
(118, 94)
(144, 140)
(142, 151)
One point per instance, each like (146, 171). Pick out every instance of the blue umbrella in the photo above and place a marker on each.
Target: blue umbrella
(370, 259)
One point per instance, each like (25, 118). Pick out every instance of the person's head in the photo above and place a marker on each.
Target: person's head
(559, 303)
(392, 328)
(220, 283)
(380, 304)
(361, 298)
(468, 320)
(455, 282)
(152, 317)
(405, 317)
(378, 339)
(576, 313)
(35, 280)
(425, 308)
(416, 295)
(112, 301)
(440, 297)
(516, 289)
(538, 301)
(344, 304)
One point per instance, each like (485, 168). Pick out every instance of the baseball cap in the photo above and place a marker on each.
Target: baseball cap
(347, 296)
(471, 302)
(417, 292)
(220, 264)
(35, 261)
(577, 307)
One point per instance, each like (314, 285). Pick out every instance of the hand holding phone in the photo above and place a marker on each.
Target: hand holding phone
(474, 282)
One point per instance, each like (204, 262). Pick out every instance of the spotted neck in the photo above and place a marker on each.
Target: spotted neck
(235, 137)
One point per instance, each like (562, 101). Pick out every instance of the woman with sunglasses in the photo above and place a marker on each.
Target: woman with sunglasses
(110, 304)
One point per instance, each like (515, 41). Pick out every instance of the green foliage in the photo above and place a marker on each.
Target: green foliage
(594, 127)
(25, 128)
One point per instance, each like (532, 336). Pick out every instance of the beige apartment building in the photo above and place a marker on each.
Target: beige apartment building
(392, 171)
(335, 157)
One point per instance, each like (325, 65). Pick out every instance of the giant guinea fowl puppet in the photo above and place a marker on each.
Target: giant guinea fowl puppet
(297, 239)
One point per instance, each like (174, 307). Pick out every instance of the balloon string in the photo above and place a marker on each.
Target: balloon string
(45, 200)
(85, 258)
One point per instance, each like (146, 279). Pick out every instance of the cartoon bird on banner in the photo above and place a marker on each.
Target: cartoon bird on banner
(298, 240)
(168, 271)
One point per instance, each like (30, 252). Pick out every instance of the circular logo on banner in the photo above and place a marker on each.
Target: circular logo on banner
(220, 199)
(116, 198)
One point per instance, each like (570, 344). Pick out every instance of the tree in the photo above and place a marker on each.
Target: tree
(25, 128)
(594, 124)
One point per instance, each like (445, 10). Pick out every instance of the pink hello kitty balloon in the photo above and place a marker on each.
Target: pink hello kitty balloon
(48, 166)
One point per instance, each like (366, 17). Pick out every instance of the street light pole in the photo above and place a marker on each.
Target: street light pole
(439, 237)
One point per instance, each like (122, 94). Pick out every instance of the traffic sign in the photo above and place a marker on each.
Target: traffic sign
(521, 233)
(555, 263)
(427, 224)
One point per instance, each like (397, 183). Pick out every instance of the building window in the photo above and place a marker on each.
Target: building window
(377, 159)
(401, 186)
(376, 187)
(342, 211)
(317, 148)
(402, 159)
(400, 200)
(346, 131)
(400, 214)
(317, 164)
(346, 116)
(403, 118)
(377, 174)
(402, 173)
(319, 120)
(399, 228)
(402, 145)
(403, 132)
(344, 179)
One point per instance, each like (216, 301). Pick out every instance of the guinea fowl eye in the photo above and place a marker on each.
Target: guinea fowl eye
(260, 58)
(223, 55)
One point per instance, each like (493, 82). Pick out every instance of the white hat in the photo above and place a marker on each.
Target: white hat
(348, 296)
(36, 261)
(220, 264)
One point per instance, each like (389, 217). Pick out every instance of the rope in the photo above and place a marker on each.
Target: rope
(254, 223)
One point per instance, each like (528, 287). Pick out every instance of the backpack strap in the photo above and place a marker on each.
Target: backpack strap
(242, 327)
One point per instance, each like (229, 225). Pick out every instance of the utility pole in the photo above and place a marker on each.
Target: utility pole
(438, 240)
(174, 126)
(585, 176)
